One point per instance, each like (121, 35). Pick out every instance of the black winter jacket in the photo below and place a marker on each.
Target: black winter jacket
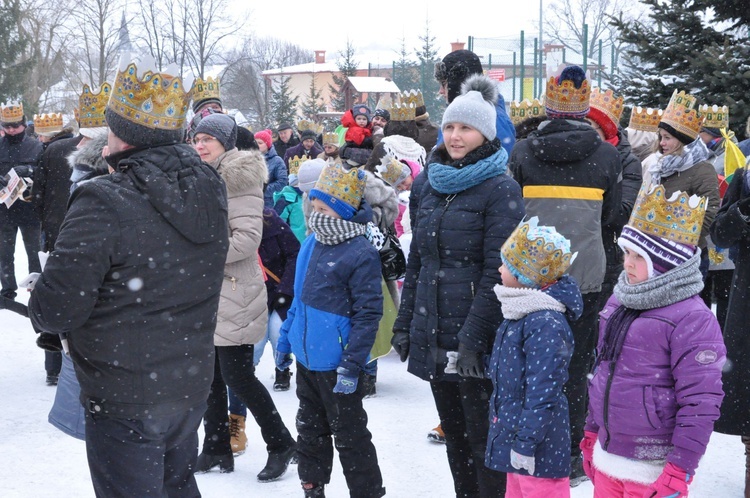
(18, 151)
(52, 186)
(571, 180)
(134, 282)
(452, 268)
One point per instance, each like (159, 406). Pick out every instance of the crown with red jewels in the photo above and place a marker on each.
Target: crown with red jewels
(678, 218)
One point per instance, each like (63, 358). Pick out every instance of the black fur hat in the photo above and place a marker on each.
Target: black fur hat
(455, 68)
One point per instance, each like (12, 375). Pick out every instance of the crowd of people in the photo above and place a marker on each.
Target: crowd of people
(548, 271)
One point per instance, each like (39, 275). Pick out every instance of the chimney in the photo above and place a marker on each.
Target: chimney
(320, 57)
(457, 45)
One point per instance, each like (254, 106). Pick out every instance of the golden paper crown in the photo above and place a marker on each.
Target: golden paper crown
(566, 98)
(11, 112)
(295, 162)
(645, 119)
(520, 111)
(537, 253)
(607, 103)
(155, 100)
(331, 138)
(403, 112)
(347, 186)
(681, 116)
(715, 116)
(48, 123)
(205, 89)
(91, 106)
(309, 125)
(391, 170)
(679, 218)
(385, 102)
(413, 96)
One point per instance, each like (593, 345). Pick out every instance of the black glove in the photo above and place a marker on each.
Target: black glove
(24, 170)
(470, 363)
(400, 342)
(3, 182)
(281, 305)
(49, 342)
(744, 206)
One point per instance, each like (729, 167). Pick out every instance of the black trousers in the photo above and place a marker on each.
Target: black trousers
(323, 416)
(718, 284)
(30, 235)
(52, 362)
(149, 457)
(585, 334)
(464, 408)
(234, 368)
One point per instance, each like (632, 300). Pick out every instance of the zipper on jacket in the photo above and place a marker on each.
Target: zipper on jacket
(607, 390)
(233, 280)
(472, 290)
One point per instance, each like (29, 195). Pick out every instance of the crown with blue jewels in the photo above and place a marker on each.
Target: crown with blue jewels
(678, 218)
(91, 106)
(348, 186)
(156, 100)
(538, 253)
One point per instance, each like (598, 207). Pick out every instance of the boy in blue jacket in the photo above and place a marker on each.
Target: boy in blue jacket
(529, 436)
(331, 328)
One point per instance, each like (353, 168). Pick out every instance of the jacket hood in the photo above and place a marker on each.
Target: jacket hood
(187, 192)
(271, 152)
(242, 170)
(90, 155)
(566, 291)
(564, 141)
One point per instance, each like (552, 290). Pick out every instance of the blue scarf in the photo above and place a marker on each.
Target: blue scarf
(451, 180)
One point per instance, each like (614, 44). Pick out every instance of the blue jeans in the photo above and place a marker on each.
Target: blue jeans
(237, 407)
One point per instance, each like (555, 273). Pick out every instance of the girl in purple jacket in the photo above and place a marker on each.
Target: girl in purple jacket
(656, 388)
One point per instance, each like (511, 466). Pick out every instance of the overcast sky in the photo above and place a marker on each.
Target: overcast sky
(376, 27)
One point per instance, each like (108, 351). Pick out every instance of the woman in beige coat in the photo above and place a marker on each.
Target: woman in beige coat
(242, 309)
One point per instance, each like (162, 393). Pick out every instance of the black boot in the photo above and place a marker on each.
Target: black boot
(313, 490)
(282, 380)
(52, 378)
(207, 462)
(277, 463)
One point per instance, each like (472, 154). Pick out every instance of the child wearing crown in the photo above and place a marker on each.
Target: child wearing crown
(529, 436)
(331, 328)
(655, 390)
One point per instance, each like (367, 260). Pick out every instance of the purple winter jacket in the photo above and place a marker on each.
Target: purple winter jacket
(664, 393)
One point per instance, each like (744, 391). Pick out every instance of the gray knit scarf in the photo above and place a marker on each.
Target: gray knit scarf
(670, 164)
(332, 231)
(516, 303)
(676, 285)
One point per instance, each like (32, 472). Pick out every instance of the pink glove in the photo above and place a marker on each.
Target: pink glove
(672, 483)
(587, 447)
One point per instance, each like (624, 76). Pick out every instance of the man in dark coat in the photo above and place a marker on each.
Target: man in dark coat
(731, 229)
(309, 148)
(19, 152)
(133, 283)
(287, 139)
(49, 195)
(571, 180)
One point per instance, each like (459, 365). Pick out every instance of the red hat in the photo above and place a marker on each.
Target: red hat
(264, 136)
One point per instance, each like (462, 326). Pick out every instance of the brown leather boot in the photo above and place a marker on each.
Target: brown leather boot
(238, 439)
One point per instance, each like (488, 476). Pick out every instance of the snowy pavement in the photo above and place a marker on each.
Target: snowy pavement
(39, 461)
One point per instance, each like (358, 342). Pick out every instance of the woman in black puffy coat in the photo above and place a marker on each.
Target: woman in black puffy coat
(467, 208)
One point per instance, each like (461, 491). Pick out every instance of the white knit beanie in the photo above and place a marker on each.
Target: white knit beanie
(475, 106)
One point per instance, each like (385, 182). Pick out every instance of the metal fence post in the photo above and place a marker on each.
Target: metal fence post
(536, 42)
(585, 46)
(522, 67)
(515, 68)
(600, 63)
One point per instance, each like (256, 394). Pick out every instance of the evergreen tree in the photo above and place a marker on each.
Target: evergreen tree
(428, 56)
(12, 46)
(405, 74)
(680, 49)
(283, 105)
(737, 11)
(314, 103)
(347, 67)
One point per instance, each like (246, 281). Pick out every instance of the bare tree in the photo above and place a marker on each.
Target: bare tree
(97, 23)
(564, 21)
(209, 24)
(47, 28)
(242, 84)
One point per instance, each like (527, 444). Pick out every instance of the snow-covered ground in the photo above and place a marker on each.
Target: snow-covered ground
(38, 461)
